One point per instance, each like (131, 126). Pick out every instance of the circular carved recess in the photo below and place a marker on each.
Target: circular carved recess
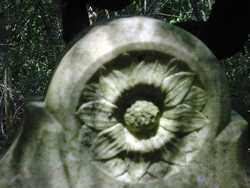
(144, 111)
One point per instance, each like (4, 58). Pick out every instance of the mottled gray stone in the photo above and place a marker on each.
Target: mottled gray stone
(120, 77)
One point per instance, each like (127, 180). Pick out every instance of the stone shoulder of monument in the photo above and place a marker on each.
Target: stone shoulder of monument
(137, 103)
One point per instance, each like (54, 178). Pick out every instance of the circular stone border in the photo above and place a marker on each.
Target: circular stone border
(104, 43)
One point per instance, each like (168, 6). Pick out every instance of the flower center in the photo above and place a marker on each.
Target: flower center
(141, 118)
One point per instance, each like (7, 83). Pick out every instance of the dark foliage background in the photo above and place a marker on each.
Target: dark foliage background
(31, 45)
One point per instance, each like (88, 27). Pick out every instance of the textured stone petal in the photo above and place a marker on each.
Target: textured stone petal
(179, 111)
(90, 93)
(172, 67)
(120, 80)
(158, 169)
(173, 152)
(182, 119)
(169, 152)
(177, 87)
(180, 151)
(174, 156)
(112, 85)
(186, 126)
(97, 114)
(196, 98)
(148, 73)
(147, 145)
(117, 166)
(170, 125)
(137, 168)
(138, 74)
(109, 143)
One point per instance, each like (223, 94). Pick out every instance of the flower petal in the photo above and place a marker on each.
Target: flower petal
(196, 98)
(116, 166)
(120, 80)
(112, 85)
(148, 73)
(90, 93)
(147, 145)
(169, 151)
(183, 119)
(109, 143)
(137, 167)
(173, 152)
(177, 87)
(97, 114)
(158, 169)
(172, 67)
(173, 155)
(178, 111)
(181, 150)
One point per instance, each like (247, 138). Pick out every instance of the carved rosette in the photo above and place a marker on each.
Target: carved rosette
(146, 98)
(145, 115)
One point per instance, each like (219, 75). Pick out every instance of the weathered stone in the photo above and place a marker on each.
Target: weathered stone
(134, 103)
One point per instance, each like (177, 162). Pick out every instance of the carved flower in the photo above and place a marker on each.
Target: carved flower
(145, 116)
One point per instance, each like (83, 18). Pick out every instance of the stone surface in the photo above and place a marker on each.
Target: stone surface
(84, 135)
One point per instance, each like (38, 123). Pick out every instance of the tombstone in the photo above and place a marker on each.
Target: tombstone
(134, 103)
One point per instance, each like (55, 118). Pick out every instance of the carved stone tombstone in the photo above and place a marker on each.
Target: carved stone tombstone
(134, 103)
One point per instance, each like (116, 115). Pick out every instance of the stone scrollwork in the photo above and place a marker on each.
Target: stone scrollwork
(143, 115)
